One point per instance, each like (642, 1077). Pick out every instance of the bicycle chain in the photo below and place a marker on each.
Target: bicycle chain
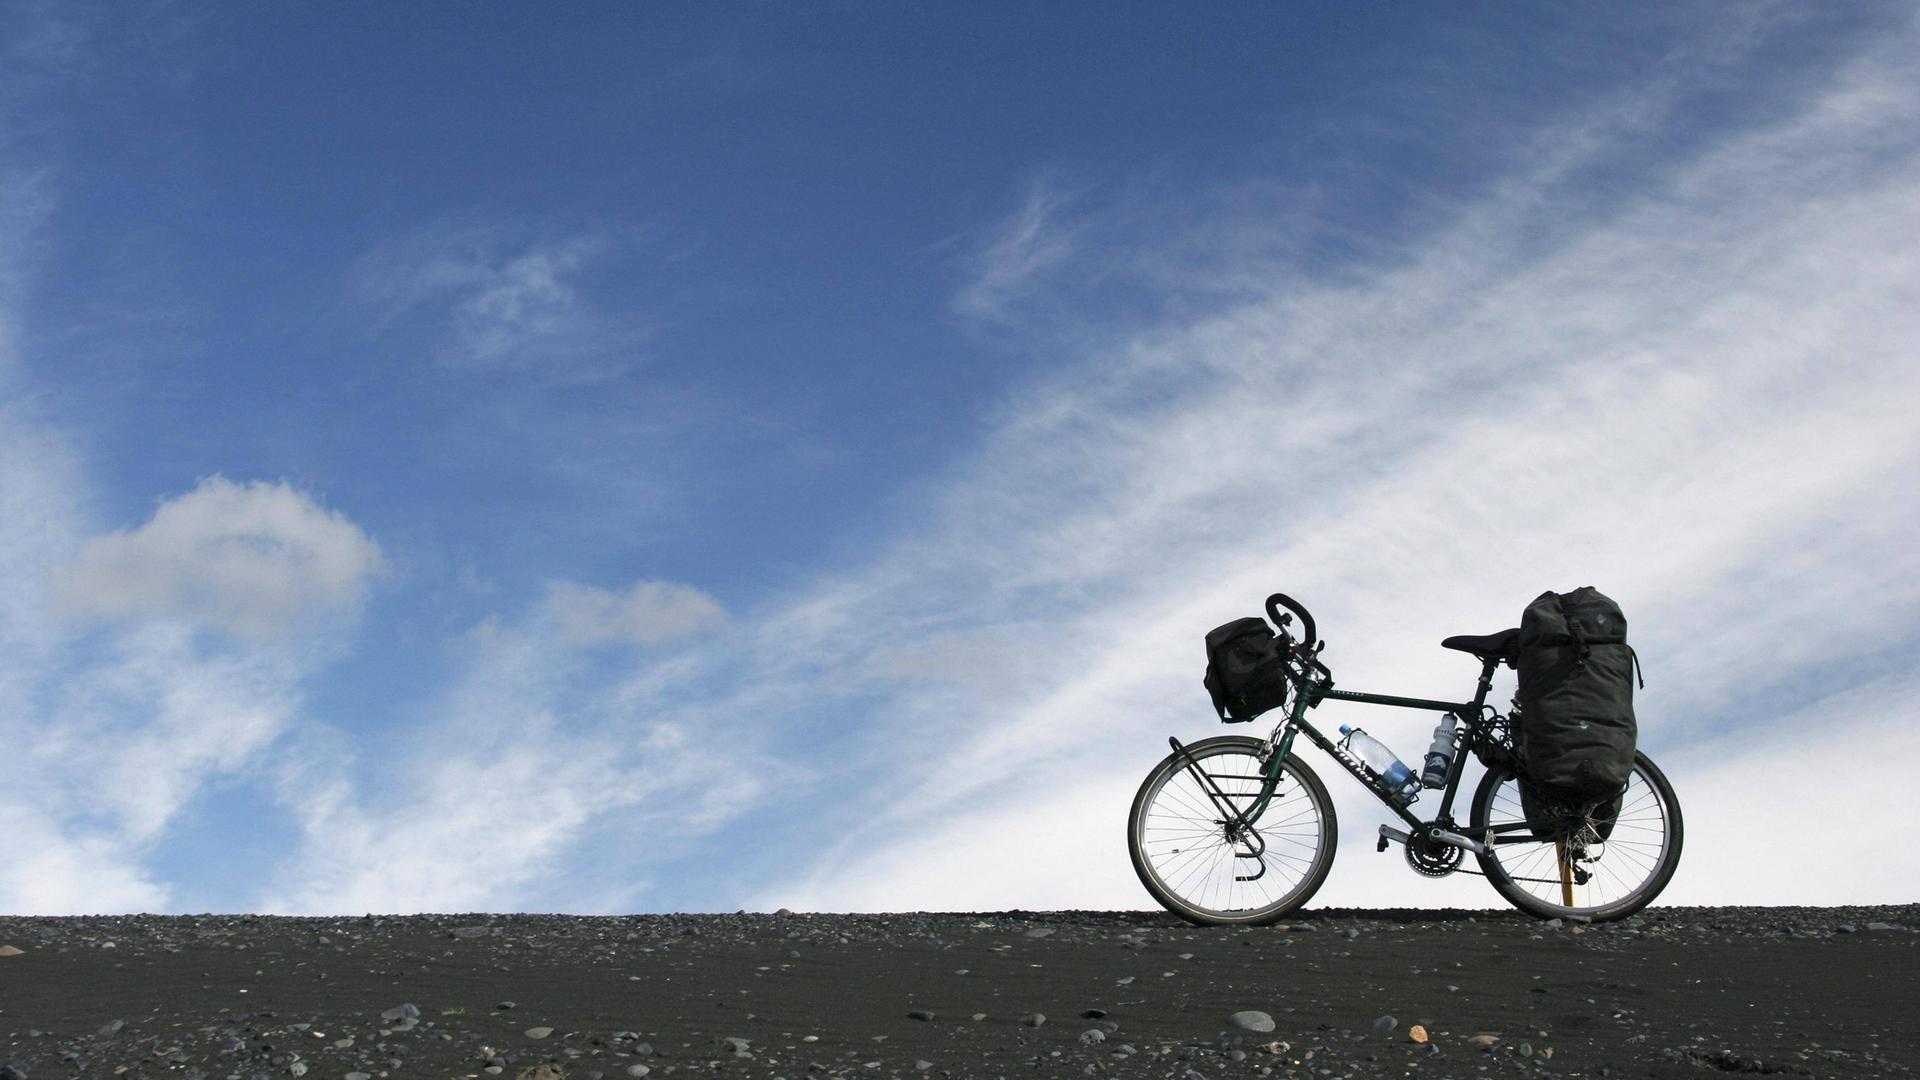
(1482, 873)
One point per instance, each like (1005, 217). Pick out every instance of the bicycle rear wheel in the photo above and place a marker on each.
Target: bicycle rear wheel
(1584, 866)
(1186, 857)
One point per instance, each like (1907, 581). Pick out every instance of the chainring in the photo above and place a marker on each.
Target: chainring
(1430, 858)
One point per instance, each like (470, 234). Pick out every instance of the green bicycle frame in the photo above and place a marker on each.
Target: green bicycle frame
(1310, 692)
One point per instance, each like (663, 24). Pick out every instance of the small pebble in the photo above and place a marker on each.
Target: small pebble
(1251, 1020)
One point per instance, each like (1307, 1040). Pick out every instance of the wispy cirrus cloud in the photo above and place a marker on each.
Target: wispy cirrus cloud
(1697, 400)
(492, 297)
(532, 783)
(1010, 263)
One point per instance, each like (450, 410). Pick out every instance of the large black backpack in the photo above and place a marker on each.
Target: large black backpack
(1246, 675)
(1576, 729)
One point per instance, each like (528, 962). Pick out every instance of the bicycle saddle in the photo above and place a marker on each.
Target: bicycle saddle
(1484, 645)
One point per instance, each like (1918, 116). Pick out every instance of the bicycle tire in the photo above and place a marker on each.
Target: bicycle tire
(1192, 875)
(1518, 871)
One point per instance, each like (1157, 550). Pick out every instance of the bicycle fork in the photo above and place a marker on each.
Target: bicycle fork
(1239, 827)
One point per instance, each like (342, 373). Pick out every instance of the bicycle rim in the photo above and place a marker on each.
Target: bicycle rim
(1181, 850)
(1603, 879)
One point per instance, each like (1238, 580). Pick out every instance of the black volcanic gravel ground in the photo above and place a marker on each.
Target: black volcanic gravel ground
(1673, 992)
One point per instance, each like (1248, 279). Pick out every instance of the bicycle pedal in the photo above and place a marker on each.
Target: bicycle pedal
(1390, 834)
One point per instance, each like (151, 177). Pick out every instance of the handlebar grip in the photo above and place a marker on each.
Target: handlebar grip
(1278, 600)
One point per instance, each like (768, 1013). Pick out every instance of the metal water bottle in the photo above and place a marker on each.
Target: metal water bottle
(1381, 761)
(1440, 754)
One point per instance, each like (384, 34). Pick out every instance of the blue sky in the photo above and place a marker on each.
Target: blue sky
(624, 458)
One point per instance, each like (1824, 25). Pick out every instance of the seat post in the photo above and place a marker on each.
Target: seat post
(1489, 664)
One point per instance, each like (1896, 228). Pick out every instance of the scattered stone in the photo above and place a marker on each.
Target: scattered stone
(979, 1017)
(359, 1076)
(1251, 1020)
(1040, 932)
(783, 912)
(1884, 926)
(10, 1071)
(1385, 1025)
(1483, 1041)
(1416, 1033)
(546, 1070)
(1278, 1047)
(638, 1070)
(920, 1014)
(538, 1032)
(503, 1005)
(9, 950)
(1526, 1049)
(1352, 934)
(112, 1027)
(472, 931)
(406, 1011)
(1034, 1020)
(922, 1065)
(1093, 1036)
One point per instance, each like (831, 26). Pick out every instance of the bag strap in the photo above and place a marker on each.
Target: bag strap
(1579, 643)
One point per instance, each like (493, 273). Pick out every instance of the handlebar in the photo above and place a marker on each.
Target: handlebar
(1279, 600)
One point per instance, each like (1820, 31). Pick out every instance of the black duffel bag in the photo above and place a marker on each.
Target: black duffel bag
(1246, 675)
(1576, 730)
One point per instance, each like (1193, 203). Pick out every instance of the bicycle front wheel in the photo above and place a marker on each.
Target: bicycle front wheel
(1589, 866)
(1198, 866)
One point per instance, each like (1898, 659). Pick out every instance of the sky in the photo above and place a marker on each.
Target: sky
(626, 458)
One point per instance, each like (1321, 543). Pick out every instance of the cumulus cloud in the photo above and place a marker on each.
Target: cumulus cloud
(256, 559)
(646, 613)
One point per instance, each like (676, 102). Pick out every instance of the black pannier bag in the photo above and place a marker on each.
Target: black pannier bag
(1246, 674)
(1576, 729)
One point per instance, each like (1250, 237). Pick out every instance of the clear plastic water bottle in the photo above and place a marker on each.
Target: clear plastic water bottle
(1440, 754)
(1381, 762)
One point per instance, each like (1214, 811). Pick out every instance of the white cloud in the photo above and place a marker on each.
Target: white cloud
(647, 613)
(256, 559)
(113, 741)
(1011, 265)
(492, 801)
(495, 299)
